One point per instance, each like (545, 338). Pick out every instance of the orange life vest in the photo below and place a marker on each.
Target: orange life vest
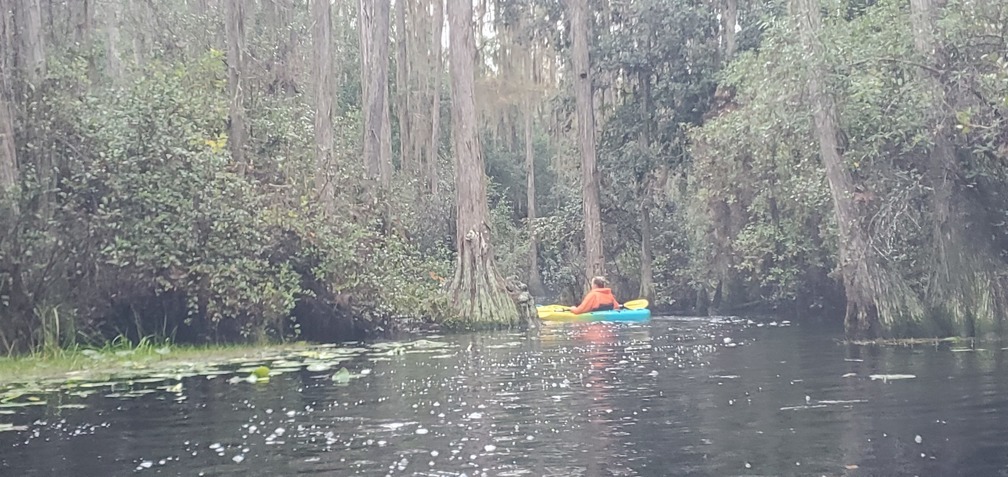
(596, 299)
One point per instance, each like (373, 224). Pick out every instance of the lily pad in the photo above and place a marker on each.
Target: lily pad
(21, 404)
(428, 344)
(72, 406)
(341, 376)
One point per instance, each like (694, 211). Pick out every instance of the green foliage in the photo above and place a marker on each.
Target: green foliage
(149, 226)
(759, 198)
(166, 209)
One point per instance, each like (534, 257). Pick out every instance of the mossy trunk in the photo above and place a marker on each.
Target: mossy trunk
(964, 290)
(479, 294)
(878, 298)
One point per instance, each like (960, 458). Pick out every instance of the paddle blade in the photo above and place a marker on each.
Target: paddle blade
(636, 304)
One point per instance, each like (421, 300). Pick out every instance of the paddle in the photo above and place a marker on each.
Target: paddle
(638, 304)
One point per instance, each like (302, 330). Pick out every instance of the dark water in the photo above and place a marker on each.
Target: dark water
(667, 398)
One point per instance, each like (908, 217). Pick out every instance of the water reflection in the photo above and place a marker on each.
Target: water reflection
(673, 397)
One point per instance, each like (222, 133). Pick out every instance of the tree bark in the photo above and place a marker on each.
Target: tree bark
(862, 313)
(8, 151)
(8, 46)
(374, 41)
(322, 38)
(140, 44)
(595, 261)
(235, 32)
(385, 158)
(282, 79)
(647, 285)
(729, 18)
(535, 278)
(29, 19)
(82, 18)
(420, 69)
(646, 257)
(114, 63)
(433, 155)
(402, 87)
(479, 293)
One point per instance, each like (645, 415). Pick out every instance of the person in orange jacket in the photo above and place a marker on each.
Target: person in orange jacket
(599, 298)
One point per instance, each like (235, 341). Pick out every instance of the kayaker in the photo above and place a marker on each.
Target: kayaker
(599, 298)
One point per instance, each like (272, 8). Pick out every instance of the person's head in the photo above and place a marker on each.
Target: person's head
(599, 282)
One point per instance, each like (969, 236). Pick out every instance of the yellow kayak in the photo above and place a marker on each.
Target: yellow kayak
(634, 312)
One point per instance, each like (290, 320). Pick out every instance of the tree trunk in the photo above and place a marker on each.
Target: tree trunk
(29, 19)
(647, 286)
(282, 77)
(420, 69)
(964, 286)
(374, 41)
(114, 62)
(322, 39)
(235, 31)
(83, 14)
(535, 279)
(479, 293)
(729, 18)
(8, 46)
(402, 88)
(433, 156)
(139, 12)
(8, 152)
(876, 297)
(595, 262)
(385, 159)
(646, 257)
(862, 312)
